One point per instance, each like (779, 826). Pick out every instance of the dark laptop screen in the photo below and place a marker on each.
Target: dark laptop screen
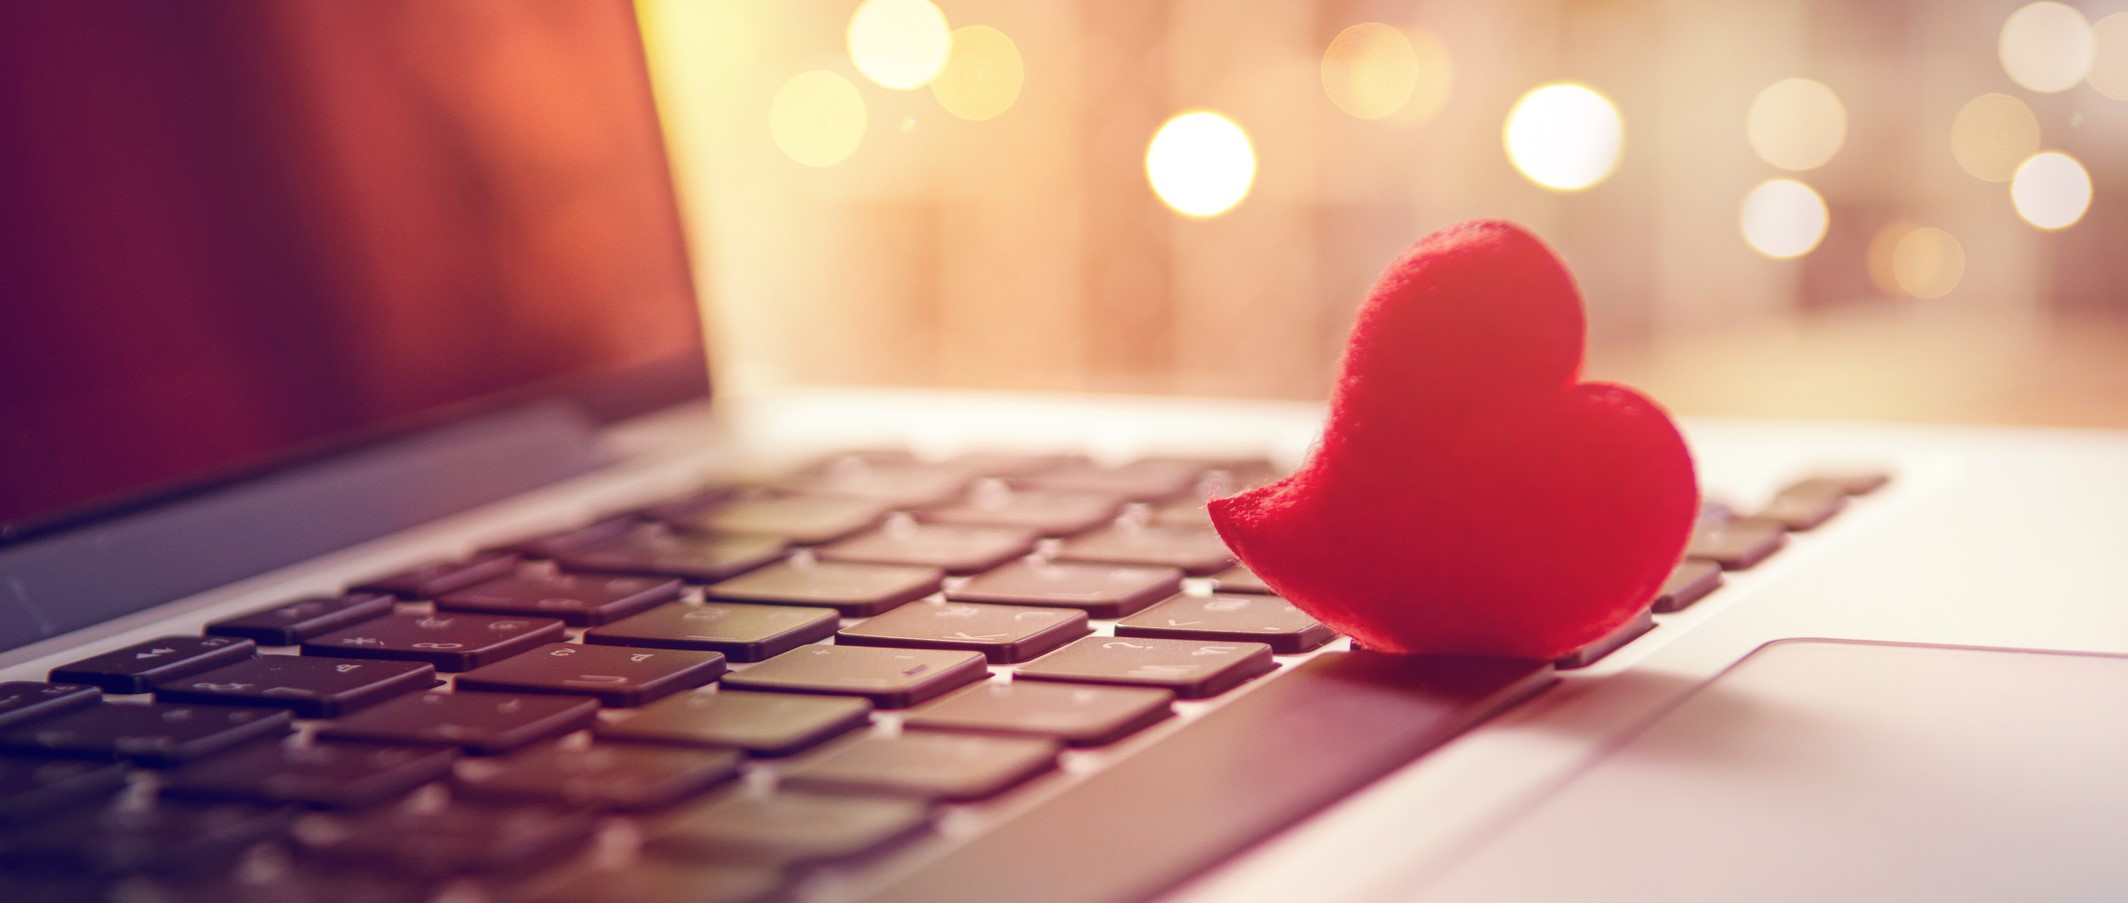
(238, 232)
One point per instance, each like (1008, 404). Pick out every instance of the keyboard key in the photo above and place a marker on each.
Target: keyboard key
(154, 734)
(801, 518)
(1100, 590)
(933, 766)
(614, 675)
(744, 633)
(1737, 544)
(616, 776)
(855, 590)
(1141, 481)
(1012, 464)
(451, 642)
(1797, 510)
(551, 545)
(650, 880)
(481, 723)
(1245, 771)
(461, 839)
(1612, 642)
(311, 686)
(954, 548)
(578, 599)
(900, 484)
(1189, 668)
(1080, 716)
(1196, 550)
(24, 701)
(301, 882)
(763, 724)
(337, 775)
(692, 503)
(293, 622)
(438, 577)
(34, 786)
(658, 551)
(1234, 475)
(1238, 579)
(890, 678)
(1853, 482)
(1230, 617)
(1189, 513)
(135, 668)
(1002, 633)
(1689, 582)
(125, 838)
(790, 828)
(992, 504)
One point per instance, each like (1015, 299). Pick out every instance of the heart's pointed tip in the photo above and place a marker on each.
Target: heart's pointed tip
(1240, 516)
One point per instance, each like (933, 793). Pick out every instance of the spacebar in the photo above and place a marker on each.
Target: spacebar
(1241, 773)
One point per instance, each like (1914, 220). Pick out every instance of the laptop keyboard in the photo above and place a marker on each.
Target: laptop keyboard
(733, 694)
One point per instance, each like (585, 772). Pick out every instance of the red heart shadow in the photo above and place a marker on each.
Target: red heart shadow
(1470, 495)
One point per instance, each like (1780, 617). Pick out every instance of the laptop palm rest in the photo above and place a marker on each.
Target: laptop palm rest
(1825, 769)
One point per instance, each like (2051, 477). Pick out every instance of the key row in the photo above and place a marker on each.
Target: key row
(842, 509)
(490, 713)
(972, 745)
(380, 700)
(850, 589)
(187, 850)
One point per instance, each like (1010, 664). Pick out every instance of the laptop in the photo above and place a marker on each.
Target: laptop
(369, 530)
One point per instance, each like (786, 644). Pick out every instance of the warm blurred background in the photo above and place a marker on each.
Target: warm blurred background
(1896, 209)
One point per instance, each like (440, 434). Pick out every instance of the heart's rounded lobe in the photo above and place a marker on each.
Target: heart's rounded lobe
(1468, 496)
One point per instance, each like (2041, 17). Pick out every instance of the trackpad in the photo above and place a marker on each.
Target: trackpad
(1843, 770)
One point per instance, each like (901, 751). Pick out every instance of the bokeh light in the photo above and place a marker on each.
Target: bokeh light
(1437, 79)
(1370, 70)
(1783, 218)
(899, 44)
(1883, 246)
(2051, 190)
(1928, 262)
(817, 118)
(2046, 47)
(1993, 133)
(983, 76)
(1564, 136)
(1797, 124)
(2109, 61)
(1201, 164)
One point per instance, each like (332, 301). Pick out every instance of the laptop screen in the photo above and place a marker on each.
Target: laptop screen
(244, 232)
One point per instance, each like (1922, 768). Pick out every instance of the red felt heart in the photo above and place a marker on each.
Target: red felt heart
(1470, 495)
